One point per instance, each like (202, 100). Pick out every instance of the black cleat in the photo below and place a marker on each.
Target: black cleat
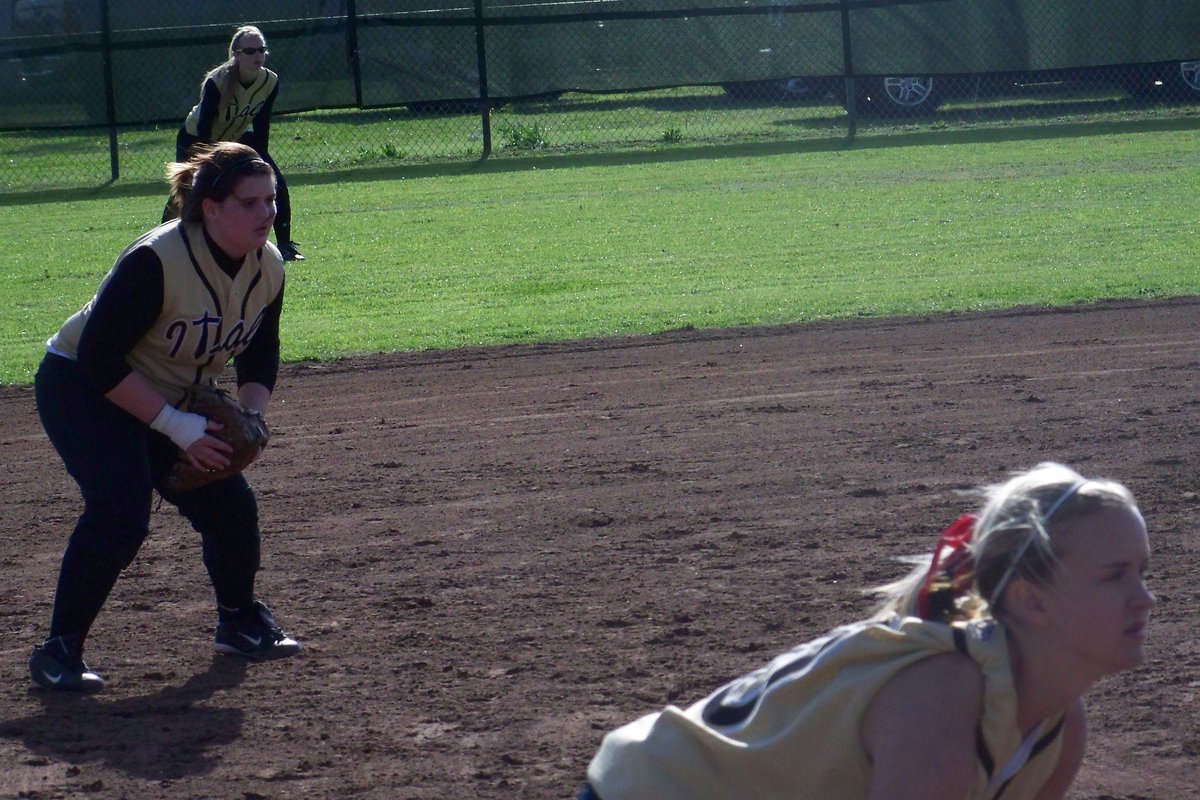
(289, 251)
(256, 636)
(58, 665)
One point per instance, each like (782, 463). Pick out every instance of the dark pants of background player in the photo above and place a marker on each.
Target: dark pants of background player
(588, 793)
(283, 201)
(118, 461)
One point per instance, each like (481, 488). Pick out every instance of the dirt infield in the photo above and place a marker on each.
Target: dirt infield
(494, 556)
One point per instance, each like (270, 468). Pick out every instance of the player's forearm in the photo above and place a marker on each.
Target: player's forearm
(254, 396)
(135, 395)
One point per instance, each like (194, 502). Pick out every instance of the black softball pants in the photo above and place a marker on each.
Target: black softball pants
(118, 462)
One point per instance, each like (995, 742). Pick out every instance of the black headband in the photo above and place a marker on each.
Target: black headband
(235, 167)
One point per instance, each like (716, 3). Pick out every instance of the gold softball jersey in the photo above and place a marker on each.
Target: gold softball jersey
(207, 317)
(237, 110)
(791, 729)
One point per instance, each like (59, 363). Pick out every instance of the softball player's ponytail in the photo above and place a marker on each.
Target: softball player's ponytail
(1010, 538)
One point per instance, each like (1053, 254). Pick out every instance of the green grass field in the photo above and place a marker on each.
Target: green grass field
(334, 139)
(662, 120)
(554, 247)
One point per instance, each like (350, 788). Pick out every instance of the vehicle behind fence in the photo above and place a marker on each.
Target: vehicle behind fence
(92, 90)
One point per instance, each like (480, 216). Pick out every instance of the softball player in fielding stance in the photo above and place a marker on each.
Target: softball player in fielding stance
(179, 303)
(967, 683)
(236, 98)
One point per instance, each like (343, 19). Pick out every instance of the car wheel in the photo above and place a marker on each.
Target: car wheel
(899, 96)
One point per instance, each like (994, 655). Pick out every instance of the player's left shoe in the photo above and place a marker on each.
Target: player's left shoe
(255, 635)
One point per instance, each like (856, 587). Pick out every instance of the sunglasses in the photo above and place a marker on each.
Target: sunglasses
(249, 51)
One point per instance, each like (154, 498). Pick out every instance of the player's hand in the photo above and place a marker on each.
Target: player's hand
(209, 452)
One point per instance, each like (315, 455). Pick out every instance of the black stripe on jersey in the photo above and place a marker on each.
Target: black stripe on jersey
(1041, 745)
(985, 757)
(260, 91)
(212, 295)
(981, 749)
(1045, 741)
(255, 281)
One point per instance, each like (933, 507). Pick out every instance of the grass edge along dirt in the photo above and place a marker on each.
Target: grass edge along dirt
(565, 248)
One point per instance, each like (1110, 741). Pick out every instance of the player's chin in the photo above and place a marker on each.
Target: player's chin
(1132, 655)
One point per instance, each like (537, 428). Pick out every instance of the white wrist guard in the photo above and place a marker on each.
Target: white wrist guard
(181, 427)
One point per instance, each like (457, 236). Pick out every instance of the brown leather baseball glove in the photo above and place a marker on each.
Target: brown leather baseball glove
(245, 430)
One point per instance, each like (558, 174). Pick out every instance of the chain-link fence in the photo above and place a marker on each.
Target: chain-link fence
(93, 89)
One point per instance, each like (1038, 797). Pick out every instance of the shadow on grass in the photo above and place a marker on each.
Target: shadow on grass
(1034, 122)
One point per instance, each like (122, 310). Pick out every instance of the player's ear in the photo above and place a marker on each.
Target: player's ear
(209, 208)
(1027, 602)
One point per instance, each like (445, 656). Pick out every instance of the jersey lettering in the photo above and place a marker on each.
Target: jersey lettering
(204, 323)
(209, 326)
(254, 326)
(239, 336)
(232, 111)
(175, 333)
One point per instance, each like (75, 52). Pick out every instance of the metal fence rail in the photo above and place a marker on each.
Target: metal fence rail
(92, 90)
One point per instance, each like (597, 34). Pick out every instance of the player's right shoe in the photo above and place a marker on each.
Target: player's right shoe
(57, 664)
(290, 251)
(255, 635)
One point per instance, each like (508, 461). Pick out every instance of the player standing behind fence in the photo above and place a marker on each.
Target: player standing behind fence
(179, 303)
(966, 684)
(236, 98)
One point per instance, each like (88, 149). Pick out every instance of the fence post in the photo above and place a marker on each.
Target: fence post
(485, 111)
(848, 75)
(110, 110)
(352, 50)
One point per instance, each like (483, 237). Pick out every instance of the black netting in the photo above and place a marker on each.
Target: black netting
(557, 74)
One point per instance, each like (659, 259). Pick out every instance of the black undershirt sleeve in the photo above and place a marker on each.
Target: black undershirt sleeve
(121, 314)
(210, 103)
(259, 362)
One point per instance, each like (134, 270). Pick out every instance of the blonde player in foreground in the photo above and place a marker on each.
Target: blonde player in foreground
(967, 684)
